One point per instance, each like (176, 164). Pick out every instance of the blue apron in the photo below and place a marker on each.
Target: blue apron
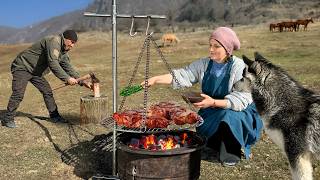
(245, 125)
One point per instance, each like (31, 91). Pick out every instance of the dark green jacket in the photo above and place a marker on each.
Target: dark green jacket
(48, 53)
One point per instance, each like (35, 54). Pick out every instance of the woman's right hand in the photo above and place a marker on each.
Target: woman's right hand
(161, 79)
(151, 81)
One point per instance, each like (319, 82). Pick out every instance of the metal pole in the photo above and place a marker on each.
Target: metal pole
(115, 84)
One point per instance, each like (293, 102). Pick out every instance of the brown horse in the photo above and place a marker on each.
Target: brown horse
(288, 26)
(303, 22)
(273, 27)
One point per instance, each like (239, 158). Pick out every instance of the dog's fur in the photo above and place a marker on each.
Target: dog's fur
(290, 112)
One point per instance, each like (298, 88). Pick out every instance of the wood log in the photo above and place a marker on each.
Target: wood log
(93, 109)
(96, 90)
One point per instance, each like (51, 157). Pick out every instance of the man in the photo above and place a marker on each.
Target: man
(50, 53)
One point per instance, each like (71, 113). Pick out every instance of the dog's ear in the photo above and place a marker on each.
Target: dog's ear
(247, 60)
(259, 57)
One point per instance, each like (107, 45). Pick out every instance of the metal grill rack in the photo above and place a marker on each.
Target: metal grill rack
(109, 122)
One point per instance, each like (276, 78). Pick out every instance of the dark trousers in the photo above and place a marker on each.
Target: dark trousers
(224, 135)
(19, 84)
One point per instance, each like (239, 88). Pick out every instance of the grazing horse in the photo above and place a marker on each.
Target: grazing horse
(289, 26)
(303, 22)
(169, 38)
(273, 27)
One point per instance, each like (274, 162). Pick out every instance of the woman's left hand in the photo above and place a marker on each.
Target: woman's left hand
(206, 102)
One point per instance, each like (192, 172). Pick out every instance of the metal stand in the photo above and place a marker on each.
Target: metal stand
(114, 16)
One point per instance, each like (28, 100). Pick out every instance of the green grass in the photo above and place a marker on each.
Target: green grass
(39, 149)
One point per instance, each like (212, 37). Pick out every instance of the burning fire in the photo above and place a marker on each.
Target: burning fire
(161, 142)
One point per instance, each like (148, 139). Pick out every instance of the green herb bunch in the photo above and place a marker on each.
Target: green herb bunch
(127, 91)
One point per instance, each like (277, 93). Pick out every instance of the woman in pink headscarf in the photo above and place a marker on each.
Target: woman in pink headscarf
(231, 121)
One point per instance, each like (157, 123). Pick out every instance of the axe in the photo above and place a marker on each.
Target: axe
(87, 76)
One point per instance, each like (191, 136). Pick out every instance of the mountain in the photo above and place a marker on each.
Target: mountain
(7, 32)
(180, 13)
(36, 31)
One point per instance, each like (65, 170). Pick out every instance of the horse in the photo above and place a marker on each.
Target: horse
(304, 22)
(288, 26)
(169, 38)
(273, 27)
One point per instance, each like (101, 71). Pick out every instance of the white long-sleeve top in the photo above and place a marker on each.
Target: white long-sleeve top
(194, 73)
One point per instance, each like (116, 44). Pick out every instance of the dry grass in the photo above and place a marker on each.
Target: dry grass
(38, 149)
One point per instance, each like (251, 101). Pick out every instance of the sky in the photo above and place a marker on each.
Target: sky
(22, 13)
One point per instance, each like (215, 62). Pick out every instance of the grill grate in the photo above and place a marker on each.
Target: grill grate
(109, 123)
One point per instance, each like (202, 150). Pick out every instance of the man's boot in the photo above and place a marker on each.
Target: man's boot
(56, 118)
(8, 120)
(9, 124)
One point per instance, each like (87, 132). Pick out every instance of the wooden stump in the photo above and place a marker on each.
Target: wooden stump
(93, 109)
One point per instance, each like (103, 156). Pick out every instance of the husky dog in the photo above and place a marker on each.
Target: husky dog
(290, 112)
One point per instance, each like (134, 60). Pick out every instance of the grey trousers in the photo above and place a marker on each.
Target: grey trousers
(19, 84)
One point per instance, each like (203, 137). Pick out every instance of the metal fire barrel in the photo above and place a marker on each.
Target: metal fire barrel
(175, 164)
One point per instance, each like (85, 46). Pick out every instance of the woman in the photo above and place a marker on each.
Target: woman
(231, 121)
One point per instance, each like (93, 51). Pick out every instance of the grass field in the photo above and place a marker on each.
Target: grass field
(39, 149)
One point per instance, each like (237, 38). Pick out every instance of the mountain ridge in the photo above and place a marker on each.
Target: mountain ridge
(195, 13)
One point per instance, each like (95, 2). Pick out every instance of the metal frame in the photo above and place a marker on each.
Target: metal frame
(114, 17)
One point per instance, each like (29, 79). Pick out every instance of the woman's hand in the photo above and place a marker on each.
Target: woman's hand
(151, 81)
(206, 102)
(161, 79)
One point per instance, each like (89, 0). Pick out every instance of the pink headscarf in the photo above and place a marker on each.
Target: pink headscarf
(227, 38)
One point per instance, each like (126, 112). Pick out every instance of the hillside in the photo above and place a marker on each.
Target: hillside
(181, 15)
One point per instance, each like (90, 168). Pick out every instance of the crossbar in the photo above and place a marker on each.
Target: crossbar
(151, 16)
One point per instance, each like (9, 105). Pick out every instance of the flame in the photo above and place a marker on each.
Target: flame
(148, 141)
(163, 142)
(184, 136)
(169, 143)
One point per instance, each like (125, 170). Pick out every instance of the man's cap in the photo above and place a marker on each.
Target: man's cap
(71, 35)
(227, 38)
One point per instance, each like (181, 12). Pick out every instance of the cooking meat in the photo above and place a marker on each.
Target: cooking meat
(157, 122)
(158, 116)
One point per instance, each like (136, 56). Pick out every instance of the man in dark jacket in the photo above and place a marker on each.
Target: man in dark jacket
(50, 53)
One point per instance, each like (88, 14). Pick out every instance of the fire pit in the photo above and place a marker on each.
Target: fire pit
(173, 156)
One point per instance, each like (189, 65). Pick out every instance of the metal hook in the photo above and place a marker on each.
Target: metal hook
(148, 27)
(132, 22)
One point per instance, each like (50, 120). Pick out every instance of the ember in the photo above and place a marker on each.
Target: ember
(161, 142)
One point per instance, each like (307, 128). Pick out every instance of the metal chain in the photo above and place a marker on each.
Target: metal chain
(145, 95)
(165, 62)
(134, 71)
(146, 45)
(171, 72)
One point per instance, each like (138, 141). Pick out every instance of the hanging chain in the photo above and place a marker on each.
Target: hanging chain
(171, 72)
(166, 62)
(146, 45)
(146, 83)
(134, 71)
